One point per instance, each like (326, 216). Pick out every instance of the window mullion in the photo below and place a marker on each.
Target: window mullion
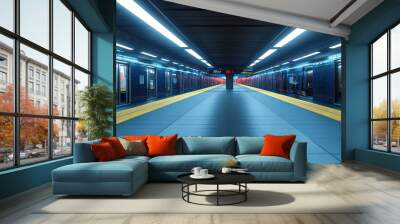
(16, 85)
(50, 81)
(389, 104)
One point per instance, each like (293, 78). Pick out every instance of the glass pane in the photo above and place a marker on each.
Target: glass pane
(62, 138)
(6, 142)
(6, 74)
(7, 14)
(81, 81)
(379, 135)
(62, 89)
(395, 94)
(35, 21)
(34, 79)
(395, 136)
(81, 45)
(395, 47)
(81, 131)
(33, 139)
(379, 55)
(62, 29)
(379, 97)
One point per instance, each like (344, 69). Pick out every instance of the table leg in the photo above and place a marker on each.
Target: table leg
(217, 194)
(245, 193)
(195, 188)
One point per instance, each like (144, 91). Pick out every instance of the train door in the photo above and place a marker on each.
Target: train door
(122, 83)
(338, 82)
(308, 81)
(151, 82)
(168, 83)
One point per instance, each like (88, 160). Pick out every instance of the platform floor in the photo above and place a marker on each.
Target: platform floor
(241, 112)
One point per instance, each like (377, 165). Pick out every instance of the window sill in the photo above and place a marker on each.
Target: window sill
(30, 166)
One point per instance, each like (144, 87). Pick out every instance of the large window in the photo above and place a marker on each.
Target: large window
(44, 65)
(385, 91)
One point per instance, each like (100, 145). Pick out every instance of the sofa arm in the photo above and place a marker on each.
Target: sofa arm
(298, 155)
(83, 152)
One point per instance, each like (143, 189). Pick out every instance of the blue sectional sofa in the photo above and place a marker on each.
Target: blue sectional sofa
(125, 176)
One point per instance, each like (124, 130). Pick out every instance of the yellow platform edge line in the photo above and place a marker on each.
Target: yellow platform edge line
(331, 113)
(133, 112)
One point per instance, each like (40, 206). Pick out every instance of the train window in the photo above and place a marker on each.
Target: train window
(385, 97)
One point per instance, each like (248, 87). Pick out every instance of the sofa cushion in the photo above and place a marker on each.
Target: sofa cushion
(116, 145)
(161, 145)
(103, 152)
(278, 145)
(185, 163)
(249, 145)
(112, 171)
(207, 145)
(136, 147)
(257, 163)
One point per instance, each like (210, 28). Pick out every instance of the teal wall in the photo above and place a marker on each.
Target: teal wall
(99, 16)
(356, 108)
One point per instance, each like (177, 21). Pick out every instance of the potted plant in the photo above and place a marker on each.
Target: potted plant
(96, 103)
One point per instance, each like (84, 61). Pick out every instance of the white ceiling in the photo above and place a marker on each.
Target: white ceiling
(316, 15)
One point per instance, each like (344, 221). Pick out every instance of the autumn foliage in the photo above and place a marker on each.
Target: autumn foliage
(33, 131)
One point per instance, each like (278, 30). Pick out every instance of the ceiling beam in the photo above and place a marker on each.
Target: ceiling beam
(268, 15)
(346, 12)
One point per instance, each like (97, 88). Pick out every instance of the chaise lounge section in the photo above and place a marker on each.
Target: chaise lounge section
(125, 176)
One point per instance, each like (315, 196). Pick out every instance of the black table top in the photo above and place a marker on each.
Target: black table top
(220, 178)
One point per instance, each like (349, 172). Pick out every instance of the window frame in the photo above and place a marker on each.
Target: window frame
(388, 74)
(16, 114)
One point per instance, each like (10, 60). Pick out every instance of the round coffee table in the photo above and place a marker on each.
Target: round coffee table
(238, 179)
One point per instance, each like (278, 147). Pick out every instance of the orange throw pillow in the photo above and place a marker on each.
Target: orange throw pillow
(277, 145)
(103, 152)
(142, 138)
(116, 145)
(161, 145)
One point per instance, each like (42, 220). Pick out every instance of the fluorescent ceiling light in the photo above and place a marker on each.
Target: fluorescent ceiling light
(165, 59)
(193, 53)
(291, 36)
(335, 46)
(181, 65)
(148, 54)
(306, 56)
(125, 47)
(285, 63)
(266, 54)
(175, 63)
(138, 11)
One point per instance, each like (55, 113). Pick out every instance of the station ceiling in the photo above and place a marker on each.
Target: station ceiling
(226, 41)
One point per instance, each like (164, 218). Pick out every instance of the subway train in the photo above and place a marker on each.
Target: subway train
(140, 82)
(320, 82)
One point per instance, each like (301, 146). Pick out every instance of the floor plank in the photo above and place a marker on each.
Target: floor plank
(376, 189)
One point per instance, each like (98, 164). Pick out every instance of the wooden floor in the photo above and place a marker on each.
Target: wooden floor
(379, 190)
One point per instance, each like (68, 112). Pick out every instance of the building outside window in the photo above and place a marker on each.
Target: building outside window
(385, 92)
(57, 129)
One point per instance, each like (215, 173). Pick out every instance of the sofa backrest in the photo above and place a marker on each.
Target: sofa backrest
(249, 145)
(83, 152)
(206, 145)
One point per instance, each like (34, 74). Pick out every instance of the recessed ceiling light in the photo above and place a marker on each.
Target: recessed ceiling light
(306, 56)
(142, 14)
(124, 47)
(194, 54)
(148, 54)
(266, 54)
(291, 36)
(335, 46)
